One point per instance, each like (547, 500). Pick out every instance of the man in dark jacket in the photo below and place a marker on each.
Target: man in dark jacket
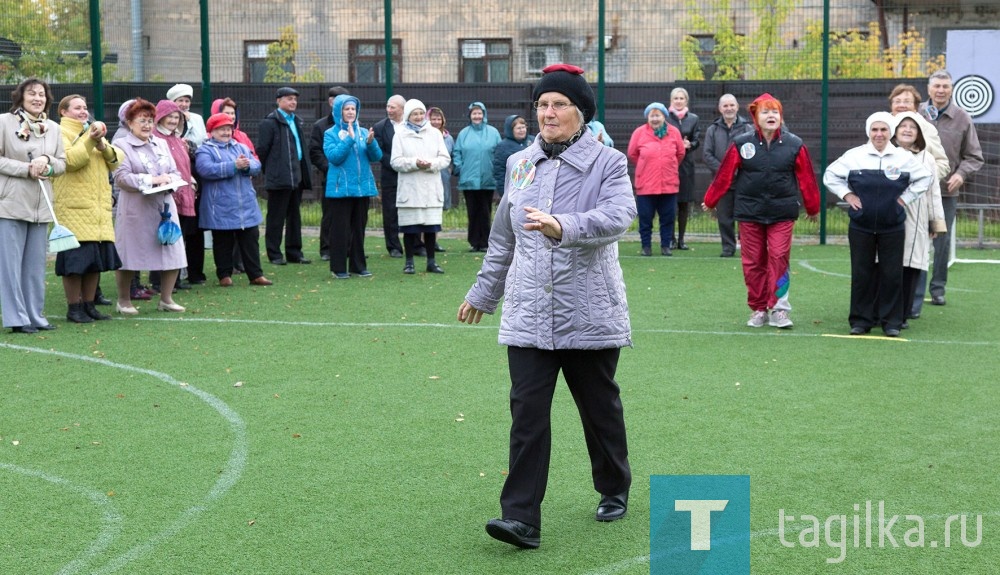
(718, 138)
(284, 157)
(318, 159)
(385, 130)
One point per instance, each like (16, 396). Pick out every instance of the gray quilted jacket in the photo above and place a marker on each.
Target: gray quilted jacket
(568, 293)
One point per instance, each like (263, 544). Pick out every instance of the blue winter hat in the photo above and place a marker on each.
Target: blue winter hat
(655, 106)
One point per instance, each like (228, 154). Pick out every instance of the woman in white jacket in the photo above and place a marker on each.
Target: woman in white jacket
(419, 155)
(925, 216)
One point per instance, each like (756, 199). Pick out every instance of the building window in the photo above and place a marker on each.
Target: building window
(706, 54)
(367, 59)
(255, 60)
(540, 56)
(484, 61)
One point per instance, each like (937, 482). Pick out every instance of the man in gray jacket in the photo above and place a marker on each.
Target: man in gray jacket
(718, 138)
(553, 258)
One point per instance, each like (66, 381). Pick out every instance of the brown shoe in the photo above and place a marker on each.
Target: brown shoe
(261, 281)
(226, 282)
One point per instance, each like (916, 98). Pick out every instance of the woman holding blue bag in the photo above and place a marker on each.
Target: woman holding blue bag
(349, 149)
(147, 229)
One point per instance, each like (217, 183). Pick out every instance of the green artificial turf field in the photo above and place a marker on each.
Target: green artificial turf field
(322, 426)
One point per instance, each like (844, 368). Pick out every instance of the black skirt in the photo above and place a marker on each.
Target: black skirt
(89, 258)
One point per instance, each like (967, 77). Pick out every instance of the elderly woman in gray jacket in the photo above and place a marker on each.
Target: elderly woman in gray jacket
(553, 258)
(31, 152)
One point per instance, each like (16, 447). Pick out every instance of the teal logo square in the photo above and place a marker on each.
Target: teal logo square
(699, 524)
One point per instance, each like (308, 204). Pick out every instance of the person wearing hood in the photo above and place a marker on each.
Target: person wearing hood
(318, 160)
(350, 150)
(418, 156)
(767, 169)
(657, 150)
(472, 161)
(228, 107)
(169, 122)
(229, 205)
(515, 139)
(924, 217)
(553, 260)
(877, 180)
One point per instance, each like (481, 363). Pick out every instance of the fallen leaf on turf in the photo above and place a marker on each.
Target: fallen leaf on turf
(459, 419)
(183, 384)
(252, 522)
(504, 472)
(481, 474)
(15, 442)
(296, 436)
(120, 396)
(276, 396)
(111, 493)
(238, 384)
(434, 377)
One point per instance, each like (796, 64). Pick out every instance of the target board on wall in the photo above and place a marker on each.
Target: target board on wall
(975, 72)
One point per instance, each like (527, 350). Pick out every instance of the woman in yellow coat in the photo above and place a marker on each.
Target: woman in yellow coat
(83, 204)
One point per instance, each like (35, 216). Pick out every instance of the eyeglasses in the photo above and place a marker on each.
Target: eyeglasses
(557, 106)
(144, 121)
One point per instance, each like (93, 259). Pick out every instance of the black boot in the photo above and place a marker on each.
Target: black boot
(408, 267)
(76, 314)
(91, 310)
(432, 267)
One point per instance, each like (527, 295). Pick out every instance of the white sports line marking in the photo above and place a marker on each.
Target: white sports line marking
(111, 519)
(230, 474)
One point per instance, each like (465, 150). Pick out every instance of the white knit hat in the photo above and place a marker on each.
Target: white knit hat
(179, 90)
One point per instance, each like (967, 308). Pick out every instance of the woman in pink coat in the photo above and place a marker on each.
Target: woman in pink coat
(656, 149)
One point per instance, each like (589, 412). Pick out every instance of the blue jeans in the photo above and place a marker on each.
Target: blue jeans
(665, 207)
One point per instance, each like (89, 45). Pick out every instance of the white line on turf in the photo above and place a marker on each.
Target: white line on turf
(229, 475)
(111, 519)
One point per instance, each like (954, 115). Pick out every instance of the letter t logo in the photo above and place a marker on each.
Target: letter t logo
(701, 519)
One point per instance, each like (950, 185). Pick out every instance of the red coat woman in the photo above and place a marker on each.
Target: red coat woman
(657, 150)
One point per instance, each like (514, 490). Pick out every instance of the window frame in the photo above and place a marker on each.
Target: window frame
(379, 59)
(487, 58)
(248, 62)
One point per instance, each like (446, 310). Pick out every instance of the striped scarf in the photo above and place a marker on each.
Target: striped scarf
(30, 124)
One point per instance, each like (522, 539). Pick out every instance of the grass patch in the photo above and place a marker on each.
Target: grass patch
(323, 426)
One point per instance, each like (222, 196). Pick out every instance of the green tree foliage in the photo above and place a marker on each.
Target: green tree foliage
(53, 37)
(281, 60)
(764, 54)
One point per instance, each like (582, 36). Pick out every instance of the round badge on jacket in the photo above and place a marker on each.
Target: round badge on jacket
(522, 174)
(748, 151)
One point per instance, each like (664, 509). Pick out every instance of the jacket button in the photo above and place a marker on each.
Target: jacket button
(548, 288)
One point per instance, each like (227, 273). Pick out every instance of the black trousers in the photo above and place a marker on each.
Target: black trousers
(347, 235)
(283, 214)
(876, 288)
(194, 247)
(247, 241)
(590, 376)
(727, 223)
(390, 219)
(325, 226)
(478, 206)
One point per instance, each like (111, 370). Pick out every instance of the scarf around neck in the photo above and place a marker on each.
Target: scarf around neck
(679, 112)
(29, 124)
(552, 150)
(661, 131)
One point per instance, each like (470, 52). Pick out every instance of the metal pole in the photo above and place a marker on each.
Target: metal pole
(96, 59)
(388, 49)
(601, 5)
(824, 118)
(138, 54)
(206, 66)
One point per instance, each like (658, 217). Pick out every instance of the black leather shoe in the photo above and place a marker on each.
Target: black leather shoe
(408, 269)
(324, 257)
(937, 300)
(23, 329)
(666, 251)
(434, 269)
(514, 532)
(727, 254)
(279, 261)
(891, 332)
(395, 254)
(301, 261)
(905, 325)
(646, 251)
(858, 330)
(438, 248)
(682, 246)
(46, 327)
(101, 300)
(612, 507)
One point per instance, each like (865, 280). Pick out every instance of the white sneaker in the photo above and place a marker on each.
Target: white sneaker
(757, 319)
(779, 318)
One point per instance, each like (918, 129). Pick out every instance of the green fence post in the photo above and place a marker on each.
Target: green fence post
(206, 65)
(600, 60)
(824, 118)
(96, 59)
(388, 49)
